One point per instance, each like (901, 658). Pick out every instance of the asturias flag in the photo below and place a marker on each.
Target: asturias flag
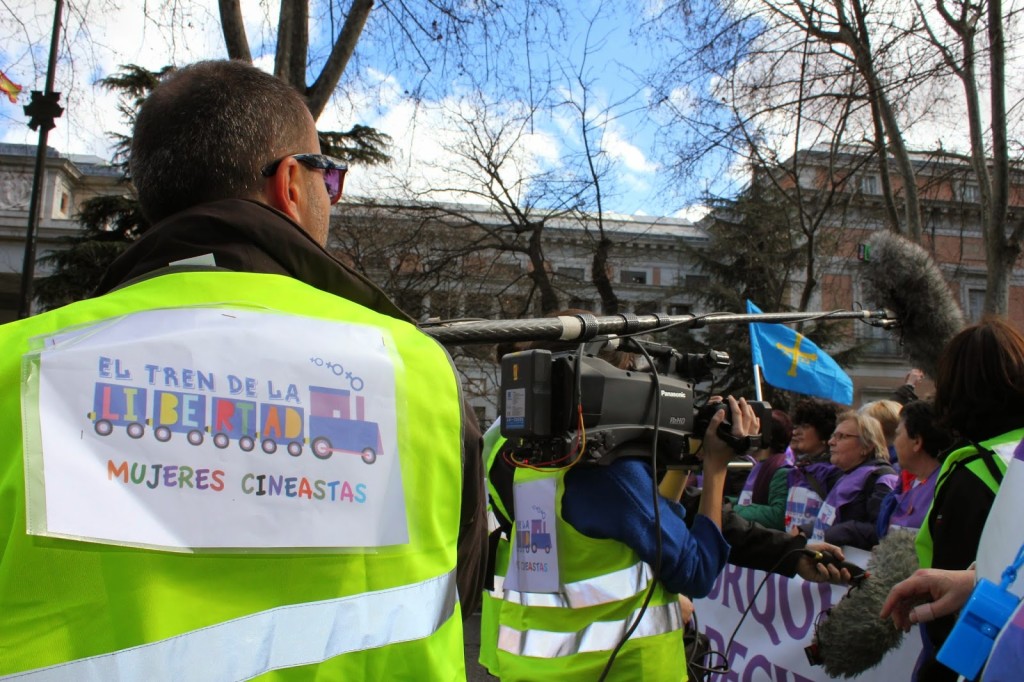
(9, 87)
(792, 362)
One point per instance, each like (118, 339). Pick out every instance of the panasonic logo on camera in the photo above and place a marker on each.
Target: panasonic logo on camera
(673, 394)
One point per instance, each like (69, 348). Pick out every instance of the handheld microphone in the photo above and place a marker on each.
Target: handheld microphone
(850, 638)
(903, 277)
(857, 573)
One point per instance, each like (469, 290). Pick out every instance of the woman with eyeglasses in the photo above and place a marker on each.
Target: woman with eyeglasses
(848, 514)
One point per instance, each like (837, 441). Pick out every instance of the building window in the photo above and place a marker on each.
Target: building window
(975, 304)
(869, 184)
(633, 277)
(970, 193)
(877, 341)
(678, 309)
(481, 413)
(572, 273)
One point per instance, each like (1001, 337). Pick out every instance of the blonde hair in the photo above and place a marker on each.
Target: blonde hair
(887, 412)
(870, 432)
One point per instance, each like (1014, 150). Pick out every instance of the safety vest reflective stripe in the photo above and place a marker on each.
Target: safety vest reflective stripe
(284, 637)
(599, 636)
(602, 589)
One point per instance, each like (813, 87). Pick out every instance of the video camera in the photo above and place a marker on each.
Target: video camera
(564, 407)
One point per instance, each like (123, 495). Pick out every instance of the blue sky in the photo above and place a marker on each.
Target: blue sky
(419, 107)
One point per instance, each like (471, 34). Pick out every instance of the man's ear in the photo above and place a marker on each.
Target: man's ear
(918, 444)
(283, 190)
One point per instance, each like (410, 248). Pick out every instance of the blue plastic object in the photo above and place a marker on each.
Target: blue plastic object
(970, 643)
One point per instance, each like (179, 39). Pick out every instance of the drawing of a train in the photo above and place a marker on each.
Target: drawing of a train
(534, 537)
(331, 427)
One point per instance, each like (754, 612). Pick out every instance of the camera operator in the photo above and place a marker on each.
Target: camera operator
(608, 557)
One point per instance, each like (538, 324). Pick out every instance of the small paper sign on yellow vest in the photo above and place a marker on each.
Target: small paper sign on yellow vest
(142, 433)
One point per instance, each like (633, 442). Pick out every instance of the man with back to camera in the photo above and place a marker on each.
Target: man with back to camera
(318, 574)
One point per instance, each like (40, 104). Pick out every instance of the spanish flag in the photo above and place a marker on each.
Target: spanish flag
(9, 87)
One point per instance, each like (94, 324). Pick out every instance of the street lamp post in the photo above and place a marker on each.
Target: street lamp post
(42, 110)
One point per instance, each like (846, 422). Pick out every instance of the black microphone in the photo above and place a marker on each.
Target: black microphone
(851, 637)
(857, 573)
(903, 277)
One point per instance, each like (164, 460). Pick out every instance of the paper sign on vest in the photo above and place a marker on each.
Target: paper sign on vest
(203, 428)
(801, 506)
(1002, 536)
(533, 566)
(826, 519)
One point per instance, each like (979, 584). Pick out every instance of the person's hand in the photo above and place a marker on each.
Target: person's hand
(913, 377)
(686, 606)
(942, 593)
(744, 423)
(810, 568)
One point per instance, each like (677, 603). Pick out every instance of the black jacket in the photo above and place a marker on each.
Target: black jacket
(246, 236)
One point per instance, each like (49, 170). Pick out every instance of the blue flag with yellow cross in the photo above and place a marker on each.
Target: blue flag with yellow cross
(790, 361)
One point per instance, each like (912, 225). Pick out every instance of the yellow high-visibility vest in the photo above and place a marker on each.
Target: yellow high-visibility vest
(89, 611)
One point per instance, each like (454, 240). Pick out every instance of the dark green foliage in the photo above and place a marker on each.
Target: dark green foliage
(755, 249)
(110, 224)
(134, 83)
(360, 144)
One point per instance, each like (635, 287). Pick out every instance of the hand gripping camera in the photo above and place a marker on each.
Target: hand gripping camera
(558, 408)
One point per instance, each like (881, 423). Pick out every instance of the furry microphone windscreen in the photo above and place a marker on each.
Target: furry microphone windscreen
(852, 638)
(903, 277)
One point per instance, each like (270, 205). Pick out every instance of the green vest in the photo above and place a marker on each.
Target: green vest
(570, 635)
(101, 611)
(1003, 445)
(490, 601)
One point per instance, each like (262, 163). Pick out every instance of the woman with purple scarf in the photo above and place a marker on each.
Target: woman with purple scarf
(763, 498)
(849, 512)
(918, 442)
(809, 482)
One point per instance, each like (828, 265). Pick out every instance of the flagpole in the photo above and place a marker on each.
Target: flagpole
(757, 383)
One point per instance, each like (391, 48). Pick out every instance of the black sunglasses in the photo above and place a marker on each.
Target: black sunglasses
(334, 171)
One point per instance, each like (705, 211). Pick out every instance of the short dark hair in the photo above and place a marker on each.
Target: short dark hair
(919, 421)
(979, 385)
(819, 414)
(780, 432)
(206, 132)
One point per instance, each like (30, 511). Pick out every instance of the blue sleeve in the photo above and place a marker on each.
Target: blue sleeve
(615, 503)
(885, 512)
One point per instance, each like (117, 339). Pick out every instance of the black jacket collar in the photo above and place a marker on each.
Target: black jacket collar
(244, 236)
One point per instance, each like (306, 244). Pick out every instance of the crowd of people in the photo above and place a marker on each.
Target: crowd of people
(227, 165)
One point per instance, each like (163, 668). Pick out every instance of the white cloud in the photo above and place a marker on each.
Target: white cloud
(103, 36)
(621, 150)
(432, 150)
